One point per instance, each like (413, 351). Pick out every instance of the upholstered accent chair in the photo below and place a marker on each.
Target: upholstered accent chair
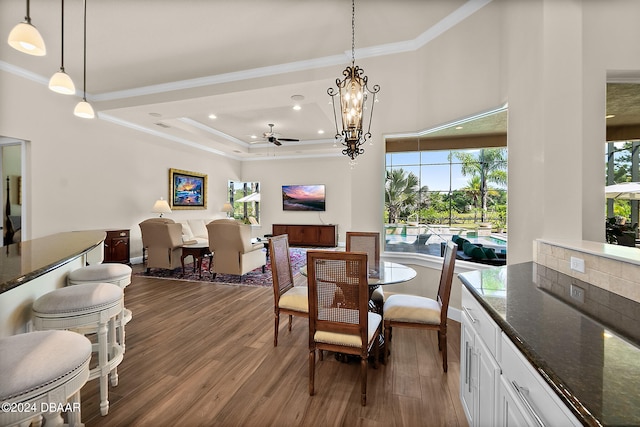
(339, 316)
(233, 252)
(287, 298)
(162, 240)
(411, 311)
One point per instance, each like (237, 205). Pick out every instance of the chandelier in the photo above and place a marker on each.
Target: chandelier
(353, 93)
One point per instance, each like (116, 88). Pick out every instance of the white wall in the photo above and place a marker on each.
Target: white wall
(91, 174)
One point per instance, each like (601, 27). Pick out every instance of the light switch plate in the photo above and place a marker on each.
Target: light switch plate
(577, 264)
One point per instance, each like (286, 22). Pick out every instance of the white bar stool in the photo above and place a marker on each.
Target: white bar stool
(42, 373)
(90, 308)
(118, 274)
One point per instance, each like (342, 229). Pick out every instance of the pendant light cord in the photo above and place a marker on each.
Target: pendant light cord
(28, 17)
(353, 32)
(84, 79)
(62, 35)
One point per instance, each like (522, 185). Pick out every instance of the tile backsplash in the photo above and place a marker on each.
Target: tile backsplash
(614, 275)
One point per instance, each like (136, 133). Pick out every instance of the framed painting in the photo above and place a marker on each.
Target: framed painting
(188, 189)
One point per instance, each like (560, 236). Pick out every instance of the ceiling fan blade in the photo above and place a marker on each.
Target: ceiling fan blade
(289, 139)
(276, 142)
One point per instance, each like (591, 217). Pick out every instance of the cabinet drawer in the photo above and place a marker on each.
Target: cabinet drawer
(484, 326)
(530, 390)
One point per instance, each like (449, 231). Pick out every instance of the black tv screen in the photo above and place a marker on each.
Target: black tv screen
(303, 198)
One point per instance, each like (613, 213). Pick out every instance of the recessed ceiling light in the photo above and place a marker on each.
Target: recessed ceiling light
(458, 127)
(253, 137)
(610, 116)
(297, 98)
(297, 107)
(320, 131)
(155, 114)
(213, 116)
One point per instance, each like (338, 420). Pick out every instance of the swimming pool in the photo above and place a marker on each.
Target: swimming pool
(499, 244)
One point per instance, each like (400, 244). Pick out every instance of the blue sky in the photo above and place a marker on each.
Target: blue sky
(435, 171)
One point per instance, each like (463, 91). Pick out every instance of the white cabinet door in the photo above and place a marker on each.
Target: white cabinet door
(488, 376)
(467, 392)
(510, 411)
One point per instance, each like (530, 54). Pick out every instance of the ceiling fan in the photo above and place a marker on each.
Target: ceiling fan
(275, 138)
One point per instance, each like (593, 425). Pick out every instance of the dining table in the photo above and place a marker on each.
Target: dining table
(384, 273)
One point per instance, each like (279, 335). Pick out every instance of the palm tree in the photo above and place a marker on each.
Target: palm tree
(472, 190)
(401, 189)
(490, 167)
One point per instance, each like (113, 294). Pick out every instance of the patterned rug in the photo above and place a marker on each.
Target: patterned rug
(253, 278)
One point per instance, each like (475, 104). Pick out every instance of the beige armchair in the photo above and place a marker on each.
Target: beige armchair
(233, 253)
(162, 240)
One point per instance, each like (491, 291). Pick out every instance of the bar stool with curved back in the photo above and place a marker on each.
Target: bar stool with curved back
(42, 371)
(287, 298)
(89, 308)
(339, 316)
(369, 242)
(411, 311)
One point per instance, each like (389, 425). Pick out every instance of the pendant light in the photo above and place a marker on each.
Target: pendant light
(353, 94)
(61, 82)
(83, 108)
(26, 38)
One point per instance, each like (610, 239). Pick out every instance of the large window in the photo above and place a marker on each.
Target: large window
(245, 199)
(438, 194)
(622, 210)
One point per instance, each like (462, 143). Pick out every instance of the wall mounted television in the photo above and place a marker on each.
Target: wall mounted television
(303, 198)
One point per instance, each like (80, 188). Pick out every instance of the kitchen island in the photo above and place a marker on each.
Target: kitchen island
(32, 268)
(582, 341)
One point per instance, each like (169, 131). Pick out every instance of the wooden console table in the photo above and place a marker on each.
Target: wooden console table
(308, 234)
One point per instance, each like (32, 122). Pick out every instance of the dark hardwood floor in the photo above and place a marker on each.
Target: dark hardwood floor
(201, 354)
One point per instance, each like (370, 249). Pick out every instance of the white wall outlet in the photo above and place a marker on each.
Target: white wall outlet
(577, 293)
(577, 264)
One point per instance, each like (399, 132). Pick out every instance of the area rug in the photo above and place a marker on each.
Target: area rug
(253, 278)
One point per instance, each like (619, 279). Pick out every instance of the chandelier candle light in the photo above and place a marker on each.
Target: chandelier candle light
(354, 93)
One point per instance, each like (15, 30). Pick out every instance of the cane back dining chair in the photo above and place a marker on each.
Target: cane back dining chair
(339, 316)
(369, 242)
(411, 311)
(287, 298)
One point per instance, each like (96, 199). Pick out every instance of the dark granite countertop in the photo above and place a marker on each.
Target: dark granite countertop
(588, 352)
(24, 261)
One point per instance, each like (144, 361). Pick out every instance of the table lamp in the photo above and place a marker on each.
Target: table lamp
(161, 206)
(228, 208)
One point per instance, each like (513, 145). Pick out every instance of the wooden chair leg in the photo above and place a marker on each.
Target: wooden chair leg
(290, 320)
(439, 341)
(387, 342)
(444, 350)
(363, 381)
(312, 370)
(276, 326)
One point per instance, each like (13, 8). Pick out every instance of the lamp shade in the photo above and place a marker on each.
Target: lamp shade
(84, 109)
(227, 207)
(27, 39)
(161, 206)
(61, 82)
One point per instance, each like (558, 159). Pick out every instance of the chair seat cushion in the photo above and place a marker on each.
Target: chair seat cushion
(78, 298)
(349, 340)
(36, 359)
(296, 299)
(107, 272)
(412, 308)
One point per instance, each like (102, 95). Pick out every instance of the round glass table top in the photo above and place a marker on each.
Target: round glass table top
(387, 273)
